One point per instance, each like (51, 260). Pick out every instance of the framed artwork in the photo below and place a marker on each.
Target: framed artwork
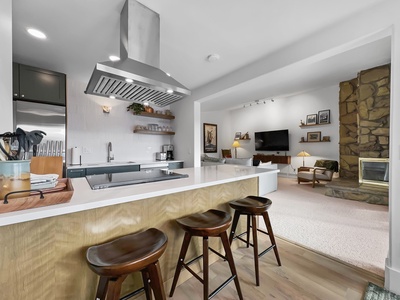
(311, 119)
(324, 116)
(314, 136)
(210, 138)
(238, 135)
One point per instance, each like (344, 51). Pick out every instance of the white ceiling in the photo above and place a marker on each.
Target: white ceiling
(83, 32)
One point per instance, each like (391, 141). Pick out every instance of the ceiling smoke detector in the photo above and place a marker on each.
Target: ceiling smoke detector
(213, 57)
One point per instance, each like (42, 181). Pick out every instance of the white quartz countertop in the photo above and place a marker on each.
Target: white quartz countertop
(84, 198)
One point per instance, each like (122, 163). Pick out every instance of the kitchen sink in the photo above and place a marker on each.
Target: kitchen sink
(104, 164)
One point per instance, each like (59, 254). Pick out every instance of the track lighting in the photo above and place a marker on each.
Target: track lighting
(258, 102)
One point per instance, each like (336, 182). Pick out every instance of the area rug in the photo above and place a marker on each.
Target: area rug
(351, 231)
(374, 292)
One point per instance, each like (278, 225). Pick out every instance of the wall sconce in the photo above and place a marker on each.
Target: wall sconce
(235, 145)
(106, 109)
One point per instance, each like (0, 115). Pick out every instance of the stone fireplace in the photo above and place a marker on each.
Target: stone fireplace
(364, 115)
(364, 105)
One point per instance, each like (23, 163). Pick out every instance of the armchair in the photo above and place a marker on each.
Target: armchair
(322, 170)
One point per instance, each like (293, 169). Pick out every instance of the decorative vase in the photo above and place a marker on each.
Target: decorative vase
(148, 109)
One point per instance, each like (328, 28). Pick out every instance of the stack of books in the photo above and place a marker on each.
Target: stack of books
(46, 181)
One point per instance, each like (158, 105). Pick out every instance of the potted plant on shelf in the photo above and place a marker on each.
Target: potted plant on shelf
(137, 108)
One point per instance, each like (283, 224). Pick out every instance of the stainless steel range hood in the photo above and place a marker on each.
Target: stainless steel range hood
(139, 61)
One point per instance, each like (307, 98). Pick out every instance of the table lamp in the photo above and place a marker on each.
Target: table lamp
(235, 145)
(303, 154)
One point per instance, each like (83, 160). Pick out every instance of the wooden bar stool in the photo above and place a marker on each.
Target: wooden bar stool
(115, 260)
(212, 223)
(253, 206)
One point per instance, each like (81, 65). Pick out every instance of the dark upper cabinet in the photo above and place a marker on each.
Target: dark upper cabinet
(39, 85)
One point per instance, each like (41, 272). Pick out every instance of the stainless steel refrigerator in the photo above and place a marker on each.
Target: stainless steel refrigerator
(48, 118)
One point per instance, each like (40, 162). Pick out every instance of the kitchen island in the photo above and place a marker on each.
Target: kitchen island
(43, 249)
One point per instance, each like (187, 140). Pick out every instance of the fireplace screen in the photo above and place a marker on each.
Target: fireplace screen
(374, 171)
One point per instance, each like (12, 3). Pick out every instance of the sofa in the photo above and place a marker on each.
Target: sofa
(211, 161)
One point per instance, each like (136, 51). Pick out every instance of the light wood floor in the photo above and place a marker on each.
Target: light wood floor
(304, 274)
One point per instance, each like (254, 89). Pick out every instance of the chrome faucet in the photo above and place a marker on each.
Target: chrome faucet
(110, 156)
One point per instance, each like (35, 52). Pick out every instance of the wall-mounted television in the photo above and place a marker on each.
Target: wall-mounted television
(276, 140)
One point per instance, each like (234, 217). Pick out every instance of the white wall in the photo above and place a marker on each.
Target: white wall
(283, 113)
(186, 129)
(392, 271)
(224, 137)
(6, 119)
(91, 129)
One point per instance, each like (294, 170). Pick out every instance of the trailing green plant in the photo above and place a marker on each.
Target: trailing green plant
(137, 108)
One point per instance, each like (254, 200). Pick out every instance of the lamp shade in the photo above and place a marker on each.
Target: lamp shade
(235, 144)
(303, 154)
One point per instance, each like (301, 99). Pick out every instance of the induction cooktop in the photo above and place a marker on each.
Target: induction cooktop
(104, 181)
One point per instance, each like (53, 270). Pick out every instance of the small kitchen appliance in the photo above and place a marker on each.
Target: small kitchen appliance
(169, 149)
(161, 156)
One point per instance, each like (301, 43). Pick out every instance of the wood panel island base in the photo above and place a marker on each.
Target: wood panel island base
(44, 258)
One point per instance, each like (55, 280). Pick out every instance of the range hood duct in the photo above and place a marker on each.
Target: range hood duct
(139, 61)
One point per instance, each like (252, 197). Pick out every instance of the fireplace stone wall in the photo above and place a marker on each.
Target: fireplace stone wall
(364, 105)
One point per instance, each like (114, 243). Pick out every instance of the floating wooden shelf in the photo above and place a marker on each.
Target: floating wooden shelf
(243, 139)
(142, 131)
(315, 142)
(305, 125)
(159, 116)
(275, 159)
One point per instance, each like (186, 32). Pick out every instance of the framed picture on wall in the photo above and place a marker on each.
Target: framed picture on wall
(210, 138)
(314, 136)
(324, 116)
(311, 119)
(238, 135)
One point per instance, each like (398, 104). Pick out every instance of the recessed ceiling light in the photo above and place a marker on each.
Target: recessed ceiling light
(169, 91)
(114, 58)
(129, 80)
(36, 33)
(167, 74)
(111, 97)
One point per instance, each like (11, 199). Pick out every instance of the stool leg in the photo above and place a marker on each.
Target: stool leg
(102, 288)
(229, 256)
(271, 236)
(205, 268)
(248, 231)
(145, 277)
(234, 225)
(156, 282)
(255, 248)
(181, 259)
(114, 287)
